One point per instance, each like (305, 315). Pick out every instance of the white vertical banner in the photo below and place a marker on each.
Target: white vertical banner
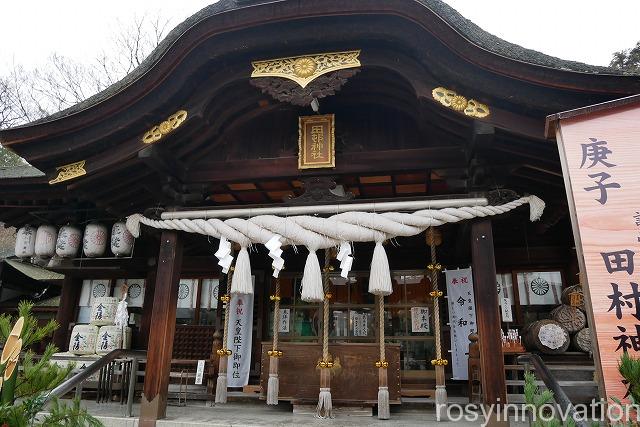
(209, 294)
(462, 318)
(540, 288)
(239, 339)
(92, 289)
(187, 293)
(135, 291)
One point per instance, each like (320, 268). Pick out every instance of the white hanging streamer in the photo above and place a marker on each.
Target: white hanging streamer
(275, 252)
(345, 258)
(224, 254)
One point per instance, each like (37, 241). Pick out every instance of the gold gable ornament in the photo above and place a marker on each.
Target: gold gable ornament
(172, 123)
(70, 171)
(306, 68)
(459, 103)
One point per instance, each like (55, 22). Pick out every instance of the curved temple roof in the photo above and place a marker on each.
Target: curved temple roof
(467, 29)
(203, 66)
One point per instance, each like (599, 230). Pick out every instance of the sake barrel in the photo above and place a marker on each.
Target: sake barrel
(110, 338)
(566, 295)
(94, 243)
(581, 340)
(62, 363)
(68, 242)
(85, 362)
(546, 336)
(25, 242)
(121, 240)
(83, 339)
(103, 311)
(572, 318)
(46, 237)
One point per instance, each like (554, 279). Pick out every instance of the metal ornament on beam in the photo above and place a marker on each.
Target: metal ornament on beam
(459, 103)
(305, 68)
(172, 123)
(70, 171)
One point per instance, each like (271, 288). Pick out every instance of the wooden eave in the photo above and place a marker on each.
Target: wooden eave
(252, 16)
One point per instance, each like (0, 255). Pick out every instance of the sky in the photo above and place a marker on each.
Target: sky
(586, 31)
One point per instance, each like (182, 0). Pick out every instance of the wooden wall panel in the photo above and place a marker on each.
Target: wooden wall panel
(355, 383)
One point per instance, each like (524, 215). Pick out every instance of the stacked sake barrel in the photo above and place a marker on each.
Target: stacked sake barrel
(566, 328)
(45, 241)
(100, 336)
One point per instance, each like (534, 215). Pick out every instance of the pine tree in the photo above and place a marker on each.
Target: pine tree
(29, 385)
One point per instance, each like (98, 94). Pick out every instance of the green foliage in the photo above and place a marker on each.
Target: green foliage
(536, 399)
(59, 414)
(41, 376)
(629, 368)
(627, 60)
(31, 332)
(36, 378)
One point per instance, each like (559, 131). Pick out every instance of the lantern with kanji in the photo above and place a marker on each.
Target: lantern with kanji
(121, 240)
(68, 242)
(46, 241)
(25, 242)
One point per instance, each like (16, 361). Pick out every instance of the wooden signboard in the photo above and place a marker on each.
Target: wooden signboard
(316, 142)
(600, 154)
(356, 382)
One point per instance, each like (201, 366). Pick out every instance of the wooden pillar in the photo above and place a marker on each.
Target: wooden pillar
(67, 311)
(145, 320)
(163, 324)
(488, 314)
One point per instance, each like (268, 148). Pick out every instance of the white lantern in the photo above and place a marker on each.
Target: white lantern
(83, 339)
(121, 240)
(94, 243)
(46, 241)
(103, 311)
(69, 240)
(26, 242)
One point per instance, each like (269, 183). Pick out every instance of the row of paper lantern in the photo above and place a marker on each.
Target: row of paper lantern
(46, 241)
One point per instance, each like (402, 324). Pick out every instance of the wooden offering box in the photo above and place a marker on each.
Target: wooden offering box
(355, 383)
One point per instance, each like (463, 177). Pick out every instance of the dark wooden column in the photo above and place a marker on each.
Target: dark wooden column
(145, 320)
(487, 313)
(67, 311)
(163, 325)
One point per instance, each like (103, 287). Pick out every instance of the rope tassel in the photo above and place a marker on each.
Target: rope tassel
(312, 279)
(325, 405)
(242, 283)
(273, 385)
(221, 387)
(380, 275)
(441, 390)
(223, 353)
(384, 411)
